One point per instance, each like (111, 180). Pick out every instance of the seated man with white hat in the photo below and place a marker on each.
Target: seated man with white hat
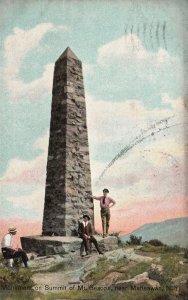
(8, 251)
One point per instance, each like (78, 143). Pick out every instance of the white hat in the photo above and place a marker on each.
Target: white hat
(12, 229)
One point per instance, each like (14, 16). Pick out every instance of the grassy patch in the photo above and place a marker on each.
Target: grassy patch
(15, 279)
(171, 265)
(160, 249)
(135, 270)
(108, 294)
(58, 267)
(19, 295)
(104, 267)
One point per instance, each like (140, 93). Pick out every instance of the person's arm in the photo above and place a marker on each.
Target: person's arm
(96, 198)
(79, 228)
(112, 202)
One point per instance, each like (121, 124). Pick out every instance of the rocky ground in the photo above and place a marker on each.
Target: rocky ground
(119, 270)
(129, 272)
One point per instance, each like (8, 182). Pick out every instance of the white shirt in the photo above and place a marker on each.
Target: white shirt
(107, 201)
(85, 223)
(7, 241)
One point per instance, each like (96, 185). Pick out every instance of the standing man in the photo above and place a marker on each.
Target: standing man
(8, 251)
(85, 231)
(106, 203)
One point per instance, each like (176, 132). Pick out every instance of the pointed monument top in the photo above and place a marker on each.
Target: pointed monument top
(68, 53)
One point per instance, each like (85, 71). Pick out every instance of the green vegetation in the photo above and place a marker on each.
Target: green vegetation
(171, 265)
(171, 258)
(161, 277)
(156, 243)
(58, 267)
(137, 269)
(106, 295)
(104, 267)
(147, 247)
(134, 240)
(18, 295)
(15, 279)
(114, 234)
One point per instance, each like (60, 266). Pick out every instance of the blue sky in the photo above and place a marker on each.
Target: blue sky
(132, 54)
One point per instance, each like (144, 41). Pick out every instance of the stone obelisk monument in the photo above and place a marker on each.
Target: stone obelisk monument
(68, 181)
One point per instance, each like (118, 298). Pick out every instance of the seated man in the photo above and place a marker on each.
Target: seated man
(8, 251)
(85, 231)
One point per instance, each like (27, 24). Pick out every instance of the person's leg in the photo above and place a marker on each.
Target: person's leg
(82, 249)
(103, 218)
(90, 246)
(7, 253)
(21, 253)
(8, 256)
(94, 241)
(107, 220)
(86, 244)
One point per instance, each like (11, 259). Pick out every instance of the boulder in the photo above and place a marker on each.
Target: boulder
(127, 253)
(109, 279)
(140, 280)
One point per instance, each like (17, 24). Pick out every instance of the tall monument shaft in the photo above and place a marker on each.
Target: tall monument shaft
(68, 181)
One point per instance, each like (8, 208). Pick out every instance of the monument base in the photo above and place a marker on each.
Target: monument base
(51, 245)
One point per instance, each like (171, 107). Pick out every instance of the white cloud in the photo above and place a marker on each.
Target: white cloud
(20, 43)
(127, 69)
(42, 143)
(146, 174)
(126, 47)
(19, 90)
(129, 48)
(121, 121)
(34, 201)
(16, 47)
(156, 162)
(28, 172)
(88, 69)
(178, 105)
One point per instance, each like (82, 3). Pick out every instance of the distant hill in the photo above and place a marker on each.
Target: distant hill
(170, 232)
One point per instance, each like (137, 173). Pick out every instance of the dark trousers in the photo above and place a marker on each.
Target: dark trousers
(87, 244)
(105, 217)
(11, 253)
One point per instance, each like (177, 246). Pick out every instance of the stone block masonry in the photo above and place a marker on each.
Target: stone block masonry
(68, 182)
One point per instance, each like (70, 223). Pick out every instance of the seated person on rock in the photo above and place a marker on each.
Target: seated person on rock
(85, 231)
(7, 249)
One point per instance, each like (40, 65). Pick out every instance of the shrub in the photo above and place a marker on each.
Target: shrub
(156, 243)
(10, 278)
(134, 240)
(155, 273)
(114, 234)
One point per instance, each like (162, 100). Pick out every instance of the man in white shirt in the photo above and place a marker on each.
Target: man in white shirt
(8, 251)
(106, 203)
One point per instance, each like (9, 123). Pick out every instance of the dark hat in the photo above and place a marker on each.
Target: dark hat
(106, 191)
(86, 216)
